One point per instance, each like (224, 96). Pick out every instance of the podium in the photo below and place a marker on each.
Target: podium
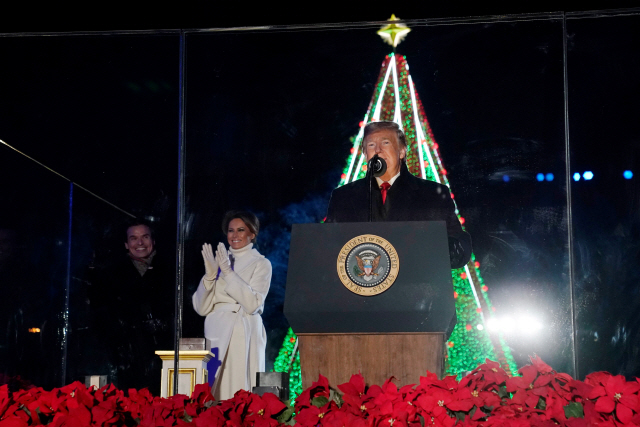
(192, 370)
(375, 298)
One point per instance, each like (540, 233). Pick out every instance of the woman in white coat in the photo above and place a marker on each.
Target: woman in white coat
(231, 295)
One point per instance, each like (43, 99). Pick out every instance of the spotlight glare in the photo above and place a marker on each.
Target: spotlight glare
(529, 325)
(493, 324)
(505, 178)
(627, 174)
(576, 176)
(540, 177)
(549, 176)
(588, 175)
(536, 326)
(507, 324)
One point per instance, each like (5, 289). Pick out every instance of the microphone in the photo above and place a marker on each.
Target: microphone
(377, 166)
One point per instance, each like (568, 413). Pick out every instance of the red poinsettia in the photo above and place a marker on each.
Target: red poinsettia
(262, 409)
(488, 376)
(356, 400)
(106, 413)
(319, 388)
(202, 394)
(312, 416)
(434, 404)
(486, 397)
(614, 393)
(212, 417)
(530, 383)
(344, 419)
(355, 386)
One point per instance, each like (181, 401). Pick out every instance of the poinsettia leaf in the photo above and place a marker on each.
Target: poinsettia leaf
(574, 410)
(502, 392)
(460, 405)
(287, 403)
(605, 404)
(319, 401)
(187, 418)
(630, 401)
(336, 397)
(421, 418)
(285, 415)
(542, 367)
(624, 414)
(25, 409)
(44, 418)
(542, 404)
(459, 415)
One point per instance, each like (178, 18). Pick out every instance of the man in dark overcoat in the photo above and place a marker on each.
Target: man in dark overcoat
(398, 195)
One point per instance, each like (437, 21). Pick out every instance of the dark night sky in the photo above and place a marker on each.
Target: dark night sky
(200, 14)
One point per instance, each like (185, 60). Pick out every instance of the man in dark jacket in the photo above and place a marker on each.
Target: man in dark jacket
(133, 305)
(399, 195)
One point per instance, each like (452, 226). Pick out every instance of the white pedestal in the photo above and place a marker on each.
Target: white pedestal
(192, 370)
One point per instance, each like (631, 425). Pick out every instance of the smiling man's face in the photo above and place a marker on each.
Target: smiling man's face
(139, 242)
(385, 144)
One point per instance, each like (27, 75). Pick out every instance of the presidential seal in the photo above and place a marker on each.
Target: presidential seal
(368, 265)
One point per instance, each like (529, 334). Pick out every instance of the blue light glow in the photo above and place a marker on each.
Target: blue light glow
(576, 176)
(540, 177)
(627, 174)
(549, 176)
(505, 178)
(588, 175)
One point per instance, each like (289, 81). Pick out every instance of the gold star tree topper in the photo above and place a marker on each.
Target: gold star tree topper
(393, 33)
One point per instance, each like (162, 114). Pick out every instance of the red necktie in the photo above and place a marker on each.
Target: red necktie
(383, 189)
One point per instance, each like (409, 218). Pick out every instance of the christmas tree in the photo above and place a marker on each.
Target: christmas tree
(395, 99)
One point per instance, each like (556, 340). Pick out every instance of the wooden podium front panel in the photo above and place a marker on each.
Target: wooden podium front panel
(406, 356)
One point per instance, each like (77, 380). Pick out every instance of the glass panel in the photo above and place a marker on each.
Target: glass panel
(100, 110)
(269, 121)
(603, 70)
(103, 110)
(34, 247)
